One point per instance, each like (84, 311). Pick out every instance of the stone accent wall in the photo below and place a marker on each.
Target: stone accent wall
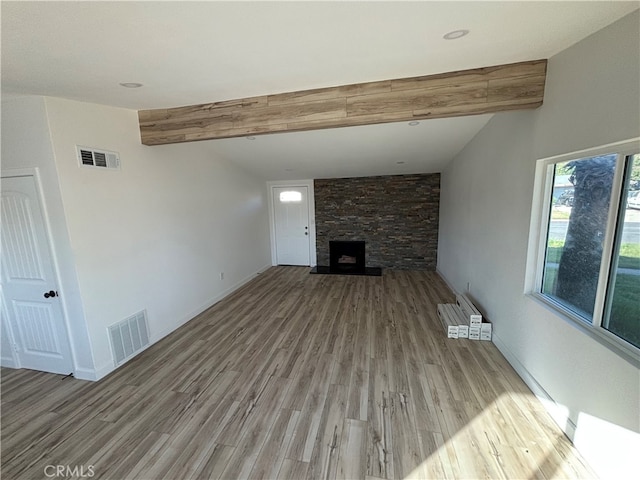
(396, 215)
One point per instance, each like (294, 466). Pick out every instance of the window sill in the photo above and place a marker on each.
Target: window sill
(621, 348)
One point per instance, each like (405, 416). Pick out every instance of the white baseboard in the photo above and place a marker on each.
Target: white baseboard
(8, 362)
(446, 280)
(96, 374)
(99, 373)
(208, 304)
(80, 373)
(556, 412)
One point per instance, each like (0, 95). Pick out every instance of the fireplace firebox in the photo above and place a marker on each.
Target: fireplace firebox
(347, 257)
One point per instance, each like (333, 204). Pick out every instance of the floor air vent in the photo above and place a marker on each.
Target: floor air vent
(129, 337)
(93, 157)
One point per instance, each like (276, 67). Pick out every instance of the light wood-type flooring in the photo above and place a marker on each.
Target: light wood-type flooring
(295, 376)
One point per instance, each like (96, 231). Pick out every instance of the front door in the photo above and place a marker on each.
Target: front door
(32, 312)
(291, 212)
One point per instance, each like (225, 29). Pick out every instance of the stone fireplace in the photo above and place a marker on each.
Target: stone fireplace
(347, 257)
(396, 215)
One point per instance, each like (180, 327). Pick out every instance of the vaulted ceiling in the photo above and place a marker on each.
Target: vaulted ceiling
(188, 53)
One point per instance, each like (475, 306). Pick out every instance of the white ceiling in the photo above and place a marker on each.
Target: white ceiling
(197, 52)
(348, 152)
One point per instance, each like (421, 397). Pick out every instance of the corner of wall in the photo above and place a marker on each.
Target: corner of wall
(27, 144)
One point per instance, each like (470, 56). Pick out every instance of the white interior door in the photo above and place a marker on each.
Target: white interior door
(291, 213)
(29, 286)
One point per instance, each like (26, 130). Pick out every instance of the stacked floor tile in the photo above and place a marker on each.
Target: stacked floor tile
(463, 320)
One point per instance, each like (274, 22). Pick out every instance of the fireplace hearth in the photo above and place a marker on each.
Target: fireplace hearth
(347, 258)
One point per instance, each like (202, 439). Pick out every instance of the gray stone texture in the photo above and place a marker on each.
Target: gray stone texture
(396, 215)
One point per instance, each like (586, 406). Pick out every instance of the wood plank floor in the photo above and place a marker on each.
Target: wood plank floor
(295, 376)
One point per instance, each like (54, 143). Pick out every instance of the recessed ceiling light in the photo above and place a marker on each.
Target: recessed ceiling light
(455, 34)
(414, 123)
(131, 85)
(251, 138)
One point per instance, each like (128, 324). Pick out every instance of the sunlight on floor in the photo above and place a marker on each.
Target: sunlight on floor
(502, 442)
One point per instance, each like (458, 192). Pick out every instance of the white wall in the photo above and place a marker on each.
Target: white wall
(592, 98)
(156, 234)
(26, 144)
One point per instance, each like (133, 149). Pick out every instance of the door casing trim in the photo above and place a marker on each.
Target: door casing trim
(34, 172)
(312, 216)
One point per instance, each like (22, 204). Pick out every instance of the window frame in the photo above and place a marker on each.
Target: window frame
(540, 223)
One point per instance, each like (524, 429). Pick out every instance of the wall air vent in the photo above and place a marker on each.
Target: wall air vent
(129, 337)
(93, 157)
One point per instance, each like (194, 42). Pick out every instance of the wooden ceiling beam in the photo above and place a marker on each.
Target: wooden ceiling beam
(514, 86)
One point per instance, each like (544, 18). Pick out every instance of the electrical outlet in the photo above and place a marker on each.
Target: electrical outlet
(468, 286)
(221, 275)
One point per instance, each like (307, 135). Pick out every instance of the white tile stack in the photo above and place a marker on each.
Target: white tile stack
(464, 320)
(450, 316)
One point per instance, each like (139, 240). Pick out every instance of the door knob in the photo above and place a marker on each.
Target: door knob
(50, 293)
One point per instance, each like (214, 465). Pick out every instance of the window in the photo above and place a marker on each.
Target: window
(588, 265)
(622, 313)
(290, 196)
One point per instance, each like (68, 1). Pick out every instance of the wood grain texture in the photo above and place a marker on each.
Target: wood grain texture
(468, 92)
(295, 376)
